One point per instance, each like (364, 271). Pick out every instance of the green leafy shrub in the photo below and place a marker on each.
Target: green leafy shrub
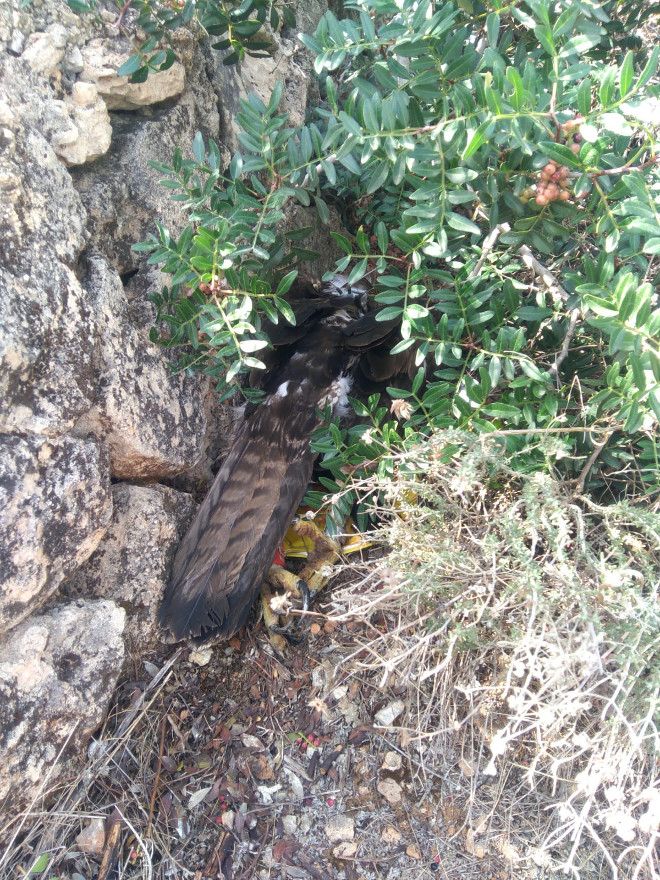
(497, 167)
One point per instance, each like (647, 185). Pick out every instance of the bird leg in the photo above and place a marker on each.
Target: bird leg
(316, 573)
(277, 606)
(321, 559)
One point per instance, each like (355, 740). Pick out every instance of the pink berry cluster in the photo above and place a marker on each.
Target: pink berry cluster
(553, 183)
(311, 740)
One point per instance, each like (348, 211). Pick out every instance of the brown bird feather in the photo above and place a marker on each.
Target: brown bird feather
(223, 559)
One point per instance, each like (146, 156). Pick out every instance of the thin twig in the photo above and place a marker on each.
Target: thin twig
(139, 703)
(563, 354)
(543, 273)
(488, 245)
(558, 292)
(161, 747)
(598, 448)
(119, 23)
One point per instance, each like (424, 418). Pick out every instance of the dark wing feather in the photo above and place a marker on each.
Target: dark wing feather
(377, 366)
(308, 308)
(230, 546)
(367, 331)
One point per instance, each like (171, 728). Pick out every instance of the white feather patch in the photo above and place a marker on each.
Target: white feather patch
(337, 396)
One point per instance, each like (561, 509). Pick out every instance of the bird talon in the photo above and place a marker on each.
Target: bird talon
(290, 637)
(305, 594)
(281, 628)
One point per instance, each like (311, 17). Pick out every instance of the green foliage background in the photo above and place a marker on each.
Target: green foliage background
(436, 122)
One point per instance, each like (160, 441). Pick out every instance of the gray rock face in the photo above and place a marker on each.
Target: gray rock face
(55, 506)
(57, 672)
(132, 561)
(44, 371)
(153, 423)
(288, 61)
(84, 396)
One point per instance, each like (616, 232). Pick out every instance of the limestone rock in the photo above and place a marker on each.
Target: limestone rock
(390, 790)
(42, 53)
(389, 713)
(392, 761)
(44, 359)
(152, 422)
(55, 506)
(50, 219)
(89, 131)
(100, 64)
(57, 672)
(73, 60)
(345, 850)
(92, 838)
(132, 562)
(122, 193)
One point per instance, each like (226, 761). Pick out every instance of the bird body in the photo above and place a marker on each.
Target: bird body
(229, 548)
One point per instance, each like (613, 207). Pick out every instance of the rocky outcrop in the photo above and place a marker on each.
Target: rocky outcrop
(57, 672)
(132, 560)
(85, 131)
(100, 65)
(55, 507)
(85, 398)
(152, 422)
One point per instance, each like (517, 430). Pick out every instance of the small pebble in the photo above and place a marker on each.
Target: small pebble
(392, 761)
(92, 838)
(345, 850)
(389, 834)
(390, 790)
(388, 714)
(340, 828)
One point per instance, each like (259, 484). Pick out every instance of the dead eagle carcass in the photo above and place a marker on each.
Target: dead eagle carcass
(336, 346)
